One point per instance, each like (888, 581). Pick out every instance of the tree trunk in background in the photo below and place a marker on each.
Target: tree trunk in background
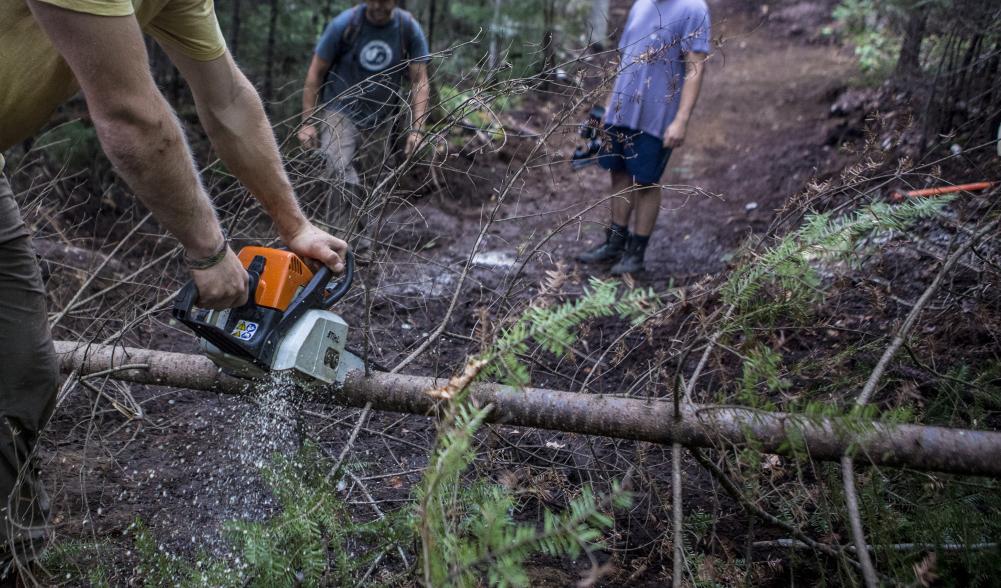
(494, 57)
(548, 40)
(328, 12)
(432, 13)
(234, 29)
(909, 61)
(269, 79)
(599, 23)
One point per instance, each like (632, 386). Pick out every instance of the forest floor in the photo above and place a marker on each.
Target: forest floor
(762, 129)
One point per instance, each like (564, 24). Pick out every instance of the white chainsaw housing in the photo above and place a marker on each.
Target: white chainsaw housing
(313, 348)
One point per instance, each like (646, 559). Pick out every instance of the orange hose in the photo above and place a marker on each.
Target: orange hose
(898, 196)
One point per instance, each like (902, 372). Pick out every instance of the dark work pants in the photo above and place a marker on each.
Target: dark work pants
(28, 386)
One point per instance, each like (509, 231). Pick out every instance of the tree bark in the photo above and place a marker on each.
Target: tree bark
(269, 79)
(909, 60)
(432, 14)
(494, 54)
(548, 40)
(920, 447)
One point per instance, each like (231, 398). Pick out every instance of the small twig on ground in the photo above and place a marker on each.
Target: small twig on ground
(378, 511)
(796, 544)
(679, 534)
(351, 441)
(93, 275)
(752, 509)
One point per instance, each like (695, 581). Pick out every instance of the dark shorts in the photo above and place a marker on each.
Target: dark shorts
(641, 154)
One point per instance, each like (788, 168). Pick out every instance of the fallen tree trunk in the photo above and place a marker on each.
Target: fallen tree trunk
(826, 439)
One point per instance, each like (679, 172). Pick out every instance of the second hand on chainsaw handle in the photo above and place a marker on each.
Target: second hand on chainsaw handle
(325, 274)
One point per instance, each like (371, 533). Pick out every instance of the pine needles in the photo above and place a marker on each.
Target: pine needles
(785, 282)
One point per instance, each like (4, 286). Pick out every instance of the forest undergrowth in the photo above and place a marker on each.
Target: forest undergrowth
(850, 304)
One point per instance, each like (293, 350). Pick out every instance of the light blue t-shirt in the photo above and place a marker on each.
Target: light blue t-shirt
(365, 77)
(651, 73)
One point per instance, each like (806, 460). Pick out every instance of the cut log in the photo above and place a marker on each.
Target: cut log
(920, 447)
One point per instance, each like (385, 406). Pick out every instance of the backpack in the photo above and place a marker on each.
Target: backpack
(350, 35)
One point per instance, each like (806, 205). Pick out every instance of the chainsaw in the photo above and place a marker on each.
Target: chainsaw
(585, 154)
(285, 325)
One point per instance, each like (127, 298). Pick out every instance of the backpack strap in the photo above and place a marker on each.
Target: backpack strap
(406, 33)
(350, 34)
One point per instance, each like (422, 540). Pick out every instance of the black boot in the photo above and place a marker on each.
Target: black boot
(610, 250)
(631, 261)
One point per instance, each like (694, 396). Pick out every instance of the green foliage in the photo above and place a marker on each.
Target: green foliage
(467, 530)
(475, 108)
(312, 538)
(937, 510)
(867, 27)
(963, 398)
(77, 559)
(761, 366)
(784, 281)
(517, 29)
(552, 328)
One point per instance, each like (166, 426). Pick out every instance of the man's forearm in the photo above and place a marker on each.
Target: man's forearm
(310, 94)
(241, 135)
(147, 147)
(694, 69)
(420, 96)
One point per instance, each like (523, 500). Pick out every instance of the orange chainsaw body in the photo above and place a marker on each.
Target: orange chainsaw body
(284, 276)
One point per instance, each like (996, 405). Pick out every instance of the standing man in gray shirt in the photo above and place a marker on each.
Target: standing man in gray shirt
(350, 99)
(662, 55)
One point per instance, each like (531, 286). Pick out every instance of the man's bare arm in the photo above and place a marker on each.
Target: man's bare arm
(308, 134)
(695, 65)
(232, 114)
(420, 92)
(142, 138)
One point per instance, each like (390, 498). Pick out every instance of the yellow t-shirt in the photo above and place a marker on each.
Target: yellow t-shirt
(34, 79)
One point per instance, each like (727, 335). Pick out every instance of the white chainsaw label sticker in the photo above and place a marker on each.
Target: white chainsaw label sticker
(245, 330)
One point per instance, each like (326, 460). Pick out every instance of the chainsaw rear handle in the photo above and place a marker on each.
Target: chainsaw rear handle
(186, 300)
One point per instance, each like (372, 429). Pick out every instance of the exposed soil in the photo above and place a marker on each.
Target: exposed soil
(762, 129)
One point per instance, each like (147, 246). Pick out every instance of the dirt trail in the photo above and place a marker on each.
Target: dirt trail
(758, 133)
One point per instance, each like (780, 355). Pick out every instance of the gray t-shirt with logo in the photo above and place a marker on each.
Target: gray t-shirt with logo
(365, 75)
(651, 73)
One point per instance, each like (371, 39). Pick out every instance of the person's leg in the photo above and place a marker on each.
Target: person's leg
(646, 166)
(647, 206)
(623, 197)
(339, 144)
(621, 204)
(28, 385)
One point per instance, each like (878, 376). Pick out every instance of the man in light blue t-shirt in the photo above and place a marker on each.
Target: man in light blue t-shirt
(349, 100)
(662, 53)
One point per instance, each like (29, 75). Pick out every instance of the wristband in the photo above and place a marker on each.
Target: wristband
(212, 260)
